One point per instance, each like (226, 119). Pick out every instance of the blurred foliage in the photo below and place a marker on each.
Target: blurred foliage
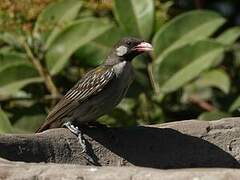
(46, 46)
(20, 14)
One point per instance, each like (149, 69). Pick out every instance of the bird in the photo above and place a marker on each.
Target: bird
(99, 90)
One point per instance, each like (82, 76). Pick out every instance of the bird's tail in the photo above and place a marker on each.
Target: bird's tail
(42, 128)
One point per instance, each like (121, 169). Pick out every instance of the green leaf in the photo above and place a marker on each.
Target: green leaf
(94, 52)
(193, 90)
(229, 36)
(214, 78)
(15, 73)
(135, 16)
(127, 105)
(14, 66)
(8, 59)
(5, 125)
(29, 123)
(186, 63)
(91, 54)
(147, 111)
(184, 29)
(14, 87)
(73, 37)
(10, 39)
(202, 87)
(53, 18)
(235, 105)
(6, 49)
(214, 115)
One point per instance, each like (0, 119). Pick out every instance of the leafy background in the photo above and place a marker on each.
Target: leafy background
(47, 45)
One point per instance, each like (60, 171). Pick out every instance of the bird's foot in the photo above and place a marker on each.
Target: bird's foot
(78, 133)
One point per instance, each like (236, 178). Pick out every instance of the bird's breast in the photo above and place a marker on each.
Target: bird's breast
(117, 88)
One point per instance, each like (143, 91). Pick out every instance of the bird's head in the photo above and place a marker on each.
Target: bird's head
(128, 48)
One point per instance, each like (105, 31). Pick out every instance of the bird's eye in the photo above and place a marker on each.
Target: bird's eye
(129, 43)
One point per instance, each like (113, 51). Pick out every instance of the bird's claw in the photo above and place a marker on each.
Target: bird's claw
(82, 143)
(78, 133)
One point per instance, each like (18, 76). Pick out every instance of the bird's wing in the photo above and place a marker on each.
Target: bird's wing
(92, 83)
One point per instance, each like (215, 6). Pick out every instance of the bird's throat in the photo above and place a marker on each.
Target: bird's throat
(118, 68)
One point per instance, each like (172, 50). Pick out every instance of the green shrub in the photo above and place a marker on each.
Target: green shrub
(193, 71)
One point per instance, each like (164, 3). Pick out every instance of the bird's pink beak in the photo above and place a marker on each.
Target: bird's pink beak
(144, 47)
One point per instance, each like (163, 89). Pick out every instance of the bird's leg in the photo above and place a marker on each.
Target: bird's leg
(78, 133)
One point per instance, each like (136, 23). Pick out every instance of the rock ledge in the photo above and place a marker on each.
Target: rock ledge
(183, 144)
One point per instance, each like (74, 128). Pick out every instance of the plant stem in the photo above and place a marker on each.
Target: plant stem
(152, 79)
(43, 72)
(153, 82)
(202, 104)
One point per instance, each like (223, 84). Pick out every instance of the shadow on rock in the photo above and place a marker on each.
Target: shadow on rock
(162, 148)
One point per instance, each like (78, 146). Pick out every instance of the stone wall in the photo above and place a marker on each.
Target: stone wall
(183, 144)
